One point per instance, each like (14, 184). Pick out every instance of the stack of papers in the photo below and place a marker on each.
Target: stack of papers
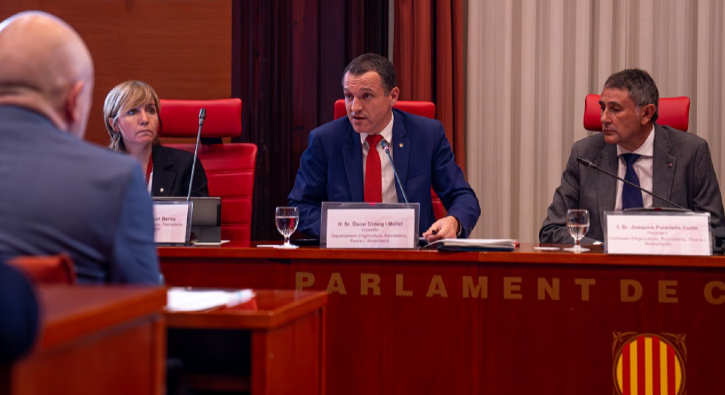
(474, 245)
(181, 299)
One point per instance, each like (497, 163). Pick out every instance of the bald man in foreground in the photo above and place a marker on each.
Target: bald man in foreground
(59, 193)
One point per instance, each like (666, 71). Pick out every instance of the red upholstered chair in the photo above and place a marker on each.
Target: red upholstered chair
(672, 111)
(229, 167)
(53, 269)
(424, 109)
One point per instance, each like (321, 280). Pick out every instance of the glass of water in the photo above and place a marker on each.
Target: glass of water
(577, 220)
(287, 219)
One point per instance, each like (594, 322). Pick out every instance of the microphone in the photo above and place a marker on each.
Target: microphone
(386, 148)
(587, 162)
(202, 116)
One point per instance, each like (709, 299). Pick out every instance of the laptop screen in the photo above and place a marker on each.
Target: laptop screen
(205, 217)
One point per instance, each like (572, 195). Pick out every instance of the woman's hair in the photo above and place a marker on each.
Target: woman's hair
(121, 98)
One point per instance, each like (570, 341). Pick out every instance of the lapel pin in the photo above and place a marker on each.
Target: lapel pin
(400, 145)
(669, 164)
(161, 190)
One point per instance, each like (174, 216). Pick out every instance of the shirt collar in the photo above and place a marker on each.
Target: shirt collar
(387, 133)
(646, 149)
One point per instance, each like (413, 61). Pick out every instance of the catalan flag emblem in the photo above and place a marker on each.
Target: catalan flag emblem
(649, 364)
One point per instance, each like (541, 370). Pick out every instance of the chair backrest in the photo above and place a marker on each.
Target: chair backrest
(424, 109)
(672, 111)
(53, 269)
(229, 167)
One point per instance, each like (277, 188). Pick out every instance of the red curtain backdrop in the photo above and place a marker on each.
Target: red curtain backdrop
(287, 63)
(428, 57)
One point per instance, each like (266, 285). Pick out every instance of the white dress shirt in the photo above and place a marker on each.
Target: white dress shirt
(386, 168)
(643, 168)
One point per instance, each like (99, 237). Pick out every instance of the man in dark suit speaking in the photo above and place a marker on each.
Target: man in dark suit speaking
(59, 193)
(345, 160)
(672, 164)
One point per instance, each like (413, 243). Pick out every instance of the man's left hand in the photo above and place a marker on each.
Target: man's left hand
(444, 228)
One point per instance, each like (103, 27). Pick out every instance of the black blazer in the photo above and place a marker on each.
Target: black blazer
(172, 170)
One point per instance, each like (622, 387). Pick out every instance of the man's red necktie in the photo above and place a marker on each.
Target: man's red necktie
(373, 173)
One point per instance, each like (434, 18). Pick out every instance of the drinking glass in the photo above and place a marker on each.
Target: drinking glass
(577, 220)
(287, 219)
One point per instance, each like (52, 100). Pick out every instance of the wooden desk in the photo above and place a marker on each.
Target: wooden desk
(527, 322)
(95, 340)
(287, 340)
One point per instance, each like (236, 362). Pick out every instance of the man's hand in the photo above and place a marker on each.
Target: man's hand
(444, 228)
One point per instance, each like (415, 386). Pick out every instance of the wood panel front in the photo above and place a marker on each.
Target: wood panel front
(287, 332)
(409, 322)
(95, 340)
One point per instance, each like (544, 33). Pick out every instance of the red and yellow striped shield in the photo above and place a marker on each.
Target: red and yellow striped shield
(647, 364)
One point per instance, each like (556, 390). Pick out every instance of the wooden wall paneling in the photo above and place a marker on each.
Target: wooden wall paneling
(181, 47)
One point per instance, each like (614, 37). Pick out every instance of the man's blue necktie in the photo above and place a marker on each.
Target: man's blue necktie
(631, 196)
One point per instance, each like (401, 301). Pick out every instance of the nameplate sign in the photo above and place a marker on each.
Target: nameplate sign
(657, 233)
(365, 225)
(171, 222)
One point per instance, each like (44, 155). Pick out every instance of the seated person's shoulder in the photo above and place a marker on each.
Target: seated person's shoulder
(337, 129)
(590, 145)
(99, 159)
(680, 138)
(420, 121)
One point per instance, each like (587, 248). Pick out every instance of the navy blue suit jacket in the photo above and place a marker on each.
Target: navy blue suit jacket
(18, 314)
(61, 194)
(331, 169)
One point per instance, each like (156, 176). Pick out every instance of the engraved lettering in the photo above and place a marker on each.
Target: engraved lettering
(585, 283)
(368, 281)
(710, 294)
(336, 285)
(399, 290)
(304, 280)
(666, 291)
(630, 290)
(436, 287)
(471, 290)
(548, 289)
(511, 287)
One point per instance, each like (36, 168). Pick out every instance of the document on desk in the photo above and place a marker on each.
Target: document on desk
(182, 299)
(474, 245)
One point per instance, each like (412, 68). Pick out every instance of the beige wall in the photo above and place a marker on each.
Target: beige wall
(532, 62)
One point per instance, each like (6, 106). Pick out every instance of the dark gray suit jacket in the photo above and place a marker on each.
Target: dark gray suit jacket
(682, 173)
(61, 194)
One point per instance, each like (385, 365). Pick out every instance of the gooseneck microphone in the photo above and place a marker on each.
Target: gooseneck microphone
(202, 116)
(386, 148)
(588, 163)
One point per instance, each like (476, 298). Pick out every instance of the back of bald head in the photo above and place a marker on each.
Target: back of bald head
(46, 67)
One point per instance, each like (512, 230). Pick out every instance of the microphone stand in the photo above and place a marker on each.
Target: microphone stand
(202, 116)
(386, 148)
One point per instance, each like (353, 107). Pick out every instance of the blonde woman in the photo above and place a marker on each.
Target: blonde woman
(131, 112)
